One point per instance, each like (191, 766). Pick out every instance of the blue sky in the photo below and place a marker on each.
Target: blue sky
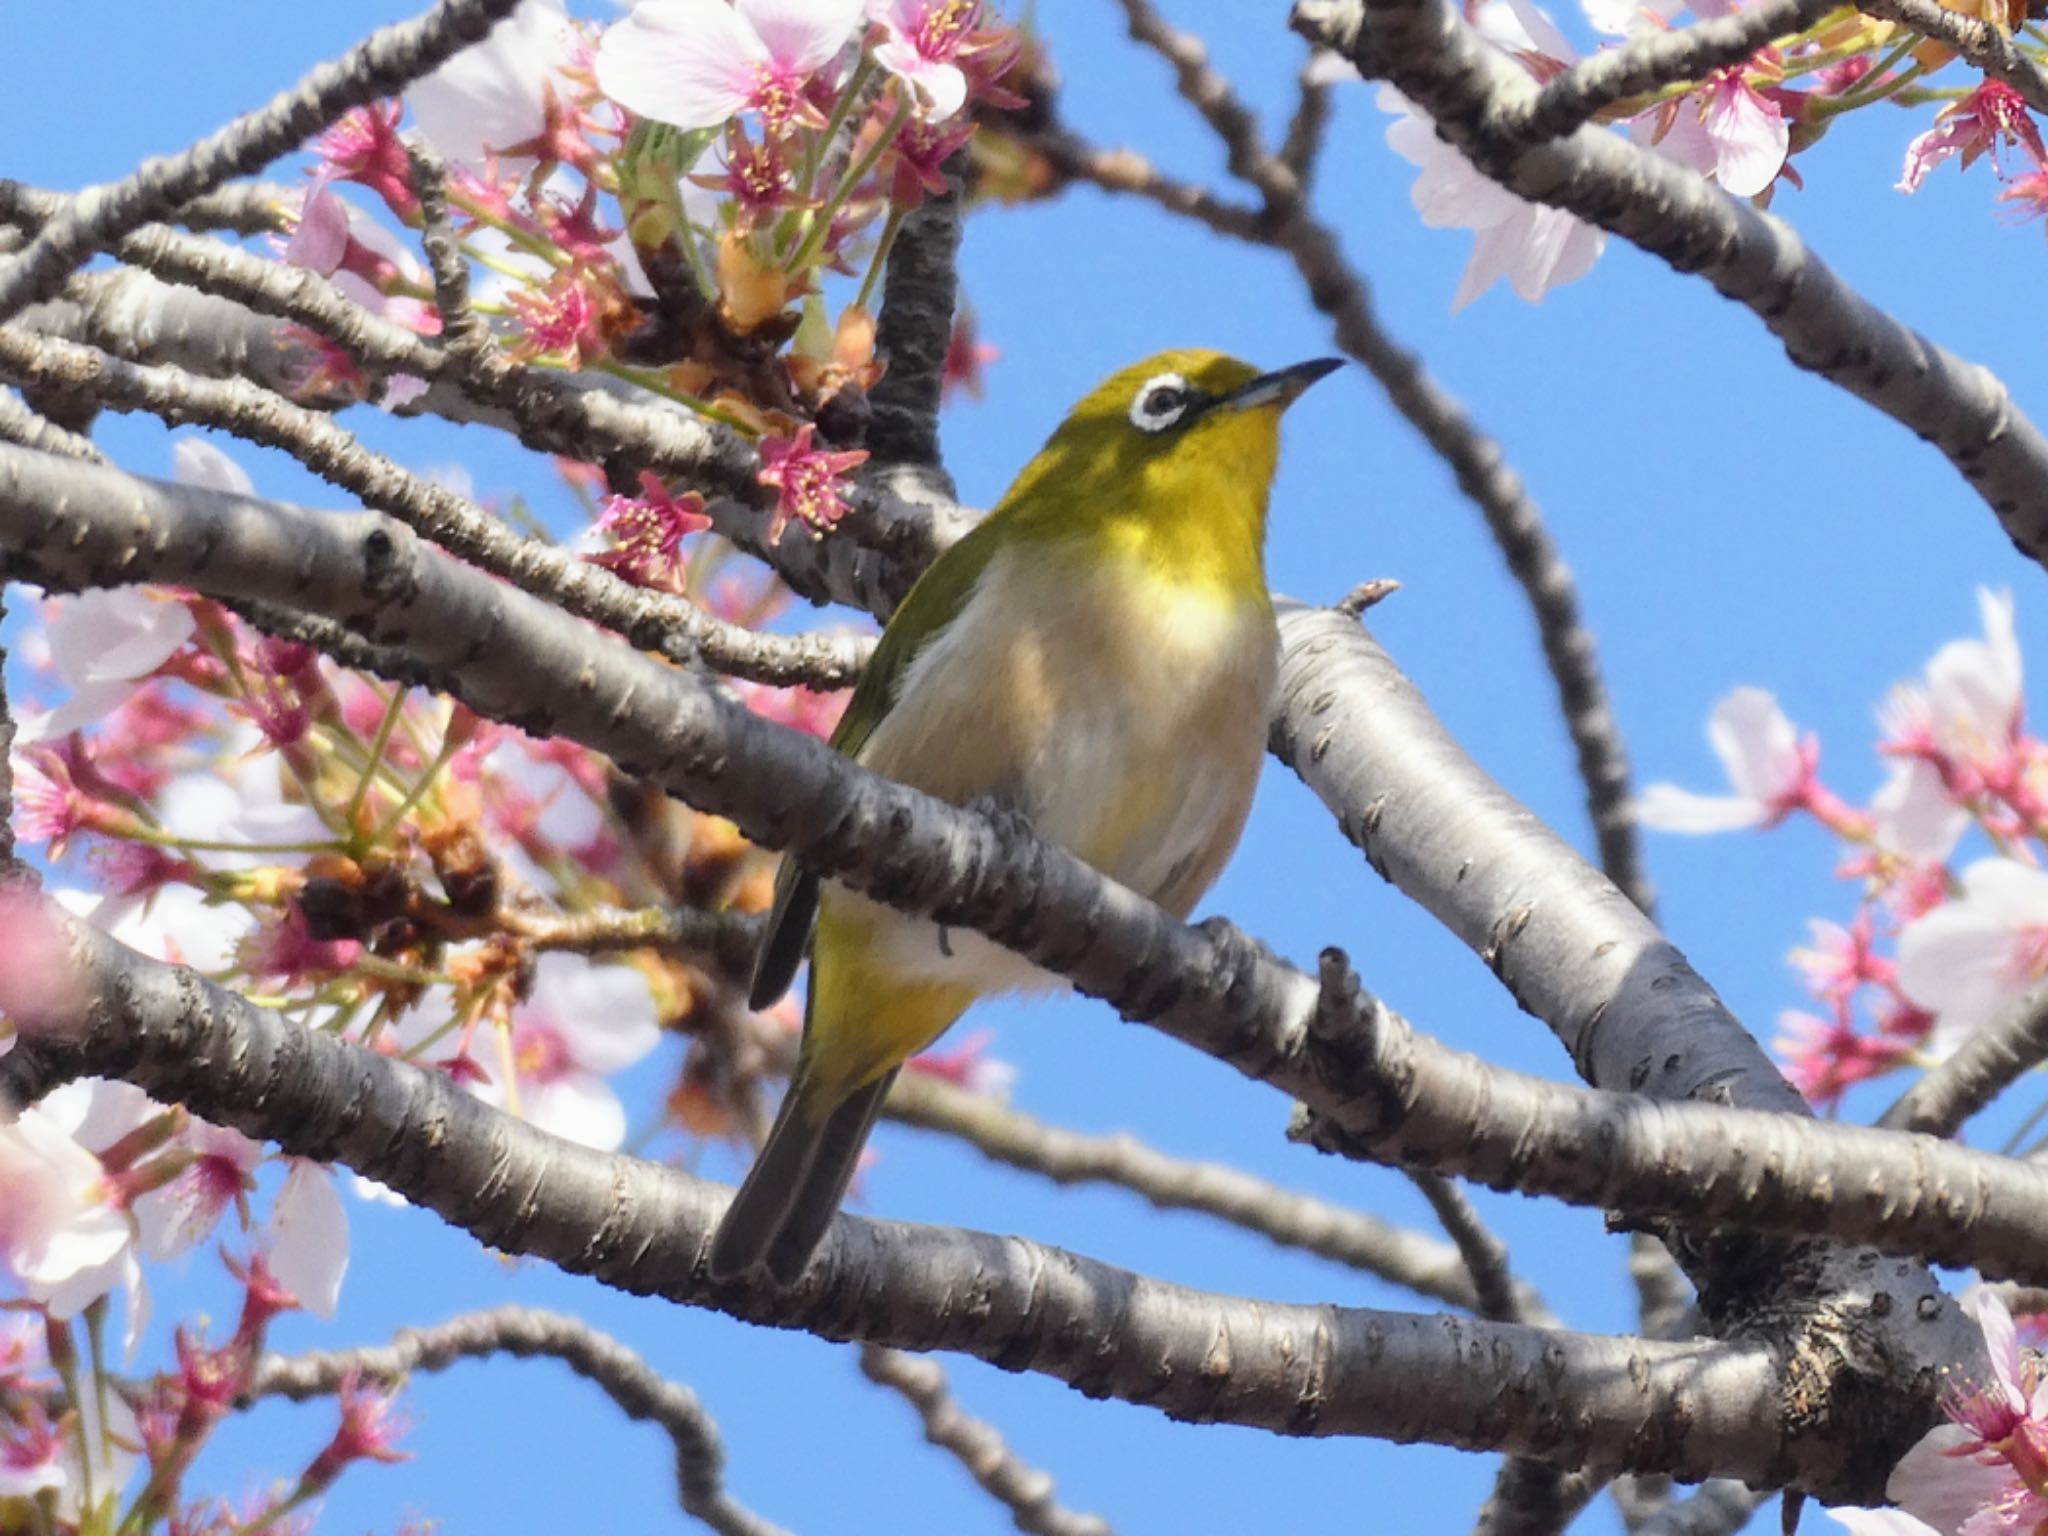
(1729, 519)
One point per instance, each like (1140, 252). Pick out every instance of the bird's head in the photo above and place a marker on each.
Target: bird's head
(1182, 446)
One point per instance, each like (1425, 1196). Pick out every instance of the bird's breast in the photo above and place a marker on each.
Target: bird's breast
(1122, 710)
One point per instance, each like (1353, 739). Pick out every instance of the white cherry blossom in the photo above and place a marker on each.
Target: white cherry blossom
(1971, 959)
(1762, 756)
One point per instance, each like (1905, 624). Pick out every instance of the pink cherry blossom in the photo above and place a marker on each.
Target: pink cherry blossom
(179, 1215)
(1727, 130)
(696, 63)
(1971, 959)
(806, 480)
(924, 38)
(1981, 1473)
(498, 95)
(1954, 737)
(102, 644)
(1772, 771)
(63, 1237)
(31, 1453)
(1993, 118)
(1533, 247)
(364, 147)
(647, 532)
(581, 1023)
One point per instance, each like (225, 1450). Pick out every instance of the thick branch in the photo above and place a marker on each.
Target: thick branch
(527, 1333)
(1476, 95)
(381, 65)
(1569, 946)
(914, 333)
(1692, 1408)
(1374, 1086)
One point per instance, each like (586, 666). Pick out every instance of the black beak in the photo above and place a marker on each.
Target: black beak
(1280, 387)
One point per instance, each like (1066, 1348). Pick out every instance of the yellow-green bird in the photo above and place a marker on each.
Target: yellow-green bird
(1097, 654)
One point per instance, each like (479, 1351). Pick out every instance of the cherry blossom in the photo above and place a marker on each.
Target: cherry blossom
(806, 481)
(1981, 1473)
(924, 38)
(1727, 130)
(1769, 767)
(31, 1453)
(1955, 735)
(63, 1236)
(1971, 959)
(581, 1023)
(490, 99)
(367, 1431)
(1993, 117)
(180, 1214)
(1533, 247)
(647, 532)
(695, 63)
(102, 644)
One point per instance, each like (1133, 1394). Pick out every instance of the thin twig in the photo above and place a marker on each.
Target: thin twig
(653, 621)
(527, 1333)
(1308, 129)
(463, 331)
(1982, 1068)
(1646, 63)
(1485, 1255)
(1976, 40)
(1294, 1220)
(381, 65)
(1026, 1491)
(725, 941)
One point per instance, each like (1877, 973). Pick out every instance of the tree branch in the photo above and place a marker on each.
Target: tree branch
(1978, 41)
(1350, 1237)
(1373, 1086)
(1982, 1068)
(645, 1228)
(913, 334)
(381, 65)
(1643, 64)
(1025, 1491)
(653, 621)
(527, 1333)
(1476, 95)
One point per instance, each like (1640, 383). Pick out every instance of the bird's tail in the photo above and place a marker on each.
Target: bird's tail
(795, 1185)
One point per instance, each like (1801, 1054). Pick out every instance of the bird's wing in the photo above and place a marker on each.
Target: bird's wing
(934, 601)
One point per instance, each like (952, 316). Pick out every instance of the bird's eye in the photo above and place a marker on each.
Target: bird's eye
(1160, 403)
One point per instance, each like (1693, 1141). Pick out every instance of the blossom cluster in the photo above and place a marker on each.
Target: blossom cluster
(1742, 127)
(1934, 953)
(377, 864)
(665, 201)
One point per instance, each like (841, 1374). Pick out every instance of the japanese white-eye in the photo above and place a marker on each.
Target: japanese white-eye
(1097, 654)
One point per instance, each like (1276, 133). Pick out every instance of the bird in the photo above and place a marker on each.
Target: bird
(1096, 656)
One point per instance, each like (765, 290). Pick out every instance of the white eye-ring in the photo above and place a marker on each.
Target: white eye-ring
(1161, 401)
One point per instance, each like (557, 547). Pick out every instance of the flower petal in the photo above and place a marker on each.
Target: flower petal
(309, 1237)
(692, 63)
(1671, 809)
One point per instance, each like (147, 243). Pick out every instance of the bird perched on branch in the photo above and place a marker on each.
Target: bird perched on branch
(1096, 655)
